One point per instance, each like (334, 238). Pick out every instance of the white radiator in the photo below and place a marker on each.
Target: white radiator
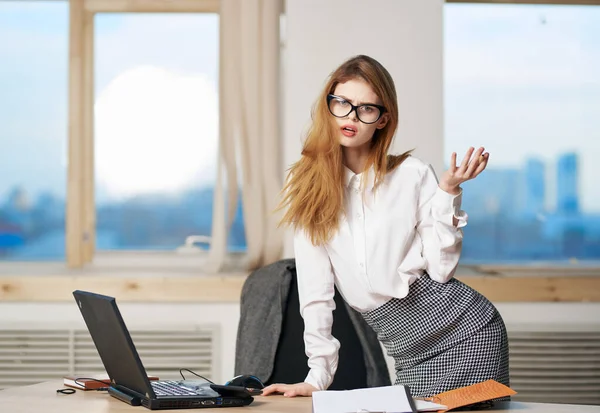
(555, 365)
(29, 356)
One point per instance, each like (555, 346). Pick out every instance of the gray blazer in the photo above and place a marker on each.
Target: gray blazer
(263, 303)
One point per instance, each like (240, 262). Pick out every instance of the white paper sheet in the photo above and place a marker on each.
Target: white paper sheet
(389, 399)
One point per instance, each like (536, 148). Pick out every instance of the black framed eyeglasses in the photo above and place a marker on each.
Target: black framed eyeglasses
(366, 113)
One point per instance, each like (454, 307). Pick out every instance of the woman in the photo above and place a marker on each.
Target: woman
(381, 229)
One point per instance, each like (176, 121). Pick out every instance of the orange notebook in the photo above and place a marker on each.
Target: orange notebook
(476, 393)
(84, 383)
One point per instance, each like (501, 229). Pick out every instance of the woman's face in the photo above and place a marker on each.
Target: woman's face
(352, 132)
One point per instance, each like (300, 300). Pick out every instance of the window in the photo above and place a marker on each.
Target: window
(156, 129)
(33, 129)
(524, 82)
(135, 168)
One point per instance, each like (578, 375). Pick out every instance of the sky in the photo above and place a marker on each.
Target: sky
(523, 81)
(156, 100)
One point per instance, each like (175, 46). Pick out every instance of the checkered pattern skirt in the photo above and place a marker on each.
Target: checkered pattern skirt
(442, 337)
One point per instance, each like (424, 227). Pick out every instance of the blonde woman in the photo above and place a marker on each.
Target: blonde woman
(384, 231)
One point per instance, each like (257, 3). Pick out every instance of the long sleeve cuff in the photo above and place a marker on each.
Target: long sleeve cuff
(445, 207)
(319, 378)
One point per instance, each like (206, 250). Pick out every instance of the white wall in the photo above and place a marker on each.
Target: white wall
(405, 36)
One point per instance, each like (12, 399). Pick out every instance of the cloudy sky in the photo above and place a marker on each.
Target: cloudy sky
(156, 101)
(522, 80)
(525, 82)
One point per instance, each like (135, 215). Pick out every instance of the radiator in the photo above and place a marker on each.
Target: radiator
(29, 356)
(557, 365)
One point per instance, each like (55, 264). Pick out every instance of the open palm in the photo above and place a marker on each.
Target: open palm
(470, 167)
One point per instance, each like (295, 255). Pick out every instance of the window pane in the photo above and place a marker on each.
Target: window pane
(33, 129)
(156, 129)
(524, 82)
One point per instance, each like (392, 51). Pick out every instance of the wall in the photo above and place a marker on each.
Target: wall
(405, 36)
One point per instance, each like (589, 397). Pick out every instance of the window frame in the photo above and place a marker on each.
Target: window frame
(81, 209)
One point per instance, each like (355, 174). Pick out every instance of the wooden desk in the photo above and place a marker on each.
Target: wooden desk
(43, 398)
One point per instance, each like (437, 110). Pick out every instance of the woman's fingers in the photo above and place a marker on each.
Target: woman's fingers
(475, 162)
(274, 389)
(453, 162)
(289, 390)
(485, 158)
(465, 161)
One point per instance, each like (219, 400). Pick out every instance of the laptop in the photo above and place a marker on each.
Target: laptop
(128, 378)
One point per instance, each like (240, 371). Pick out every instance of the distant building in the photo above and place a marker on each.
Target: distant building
(534, 187)
(567, 189)
(493, 193)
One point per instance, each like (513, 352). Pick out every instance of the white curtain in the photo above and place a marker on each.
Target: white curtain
(250, 139)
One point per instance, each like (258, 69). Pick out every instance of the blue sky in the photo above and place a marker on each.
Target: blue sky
(521, 80)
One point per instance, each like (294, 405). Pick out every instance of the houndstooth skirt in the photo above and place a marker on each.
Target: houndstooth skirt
(442, 337)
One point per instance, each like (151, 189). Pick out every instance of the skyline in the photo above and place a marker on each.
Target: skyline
(506, 225)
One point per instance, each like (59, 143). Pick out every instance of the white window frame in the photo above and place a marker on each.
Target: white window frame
(81, 208)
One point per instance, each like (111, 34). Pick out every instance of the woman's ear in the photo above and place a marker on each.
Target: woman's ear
(383, 121)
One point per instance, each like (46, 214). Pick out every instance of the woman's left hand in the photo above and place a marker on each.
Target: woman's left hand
(468, 169)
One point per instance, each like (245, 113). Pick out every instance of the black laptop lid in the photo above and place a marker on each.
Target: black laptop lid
(113, 342)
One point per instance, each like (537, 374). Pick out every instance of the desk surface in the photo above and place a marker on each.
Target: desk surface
(44, 399)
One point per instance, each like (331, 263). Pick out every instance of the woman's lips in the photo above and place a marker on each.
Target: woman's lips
(349, 130)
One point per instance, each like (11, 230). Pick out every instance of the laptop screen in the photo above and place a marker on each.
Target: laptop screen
(113, 342)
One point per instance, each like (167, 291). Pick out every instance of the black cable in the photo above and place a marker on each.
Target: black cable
(72, 390)
(195, 374)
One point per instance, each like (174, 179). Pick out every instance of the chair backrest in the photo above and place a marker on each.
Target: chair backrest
(290, 365)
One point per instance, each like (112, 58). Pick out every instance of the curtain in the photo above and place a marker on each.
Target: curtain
(250, 140)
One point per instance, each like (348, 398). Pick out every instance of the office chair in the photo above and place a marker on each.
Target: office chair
(290, 364)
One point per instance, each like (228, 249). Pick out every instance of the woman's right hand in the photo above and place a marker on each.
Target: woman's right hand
(290, 390)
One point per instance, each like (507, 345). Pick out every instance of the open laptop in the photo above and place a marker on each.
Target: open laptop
(129, 381)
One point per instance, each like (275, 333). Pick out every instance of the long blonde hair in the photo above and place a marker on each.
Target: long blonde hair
(314, 189)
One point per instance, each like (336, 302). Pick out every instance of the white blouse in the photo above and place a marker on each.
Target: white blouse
(387, 239)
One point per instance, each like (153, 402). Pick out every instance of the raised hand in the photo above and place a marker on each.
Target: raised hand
(468, 169)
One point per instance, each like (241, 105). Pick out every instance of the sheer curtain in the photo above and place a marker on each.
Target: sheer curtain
(249, 130)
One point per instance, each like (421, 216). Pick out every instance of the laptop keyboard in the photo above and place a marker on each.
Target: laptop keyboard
(171, 388)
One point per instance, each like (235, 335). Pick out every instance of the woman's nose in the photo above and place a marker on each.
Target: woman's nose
(352, 115)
